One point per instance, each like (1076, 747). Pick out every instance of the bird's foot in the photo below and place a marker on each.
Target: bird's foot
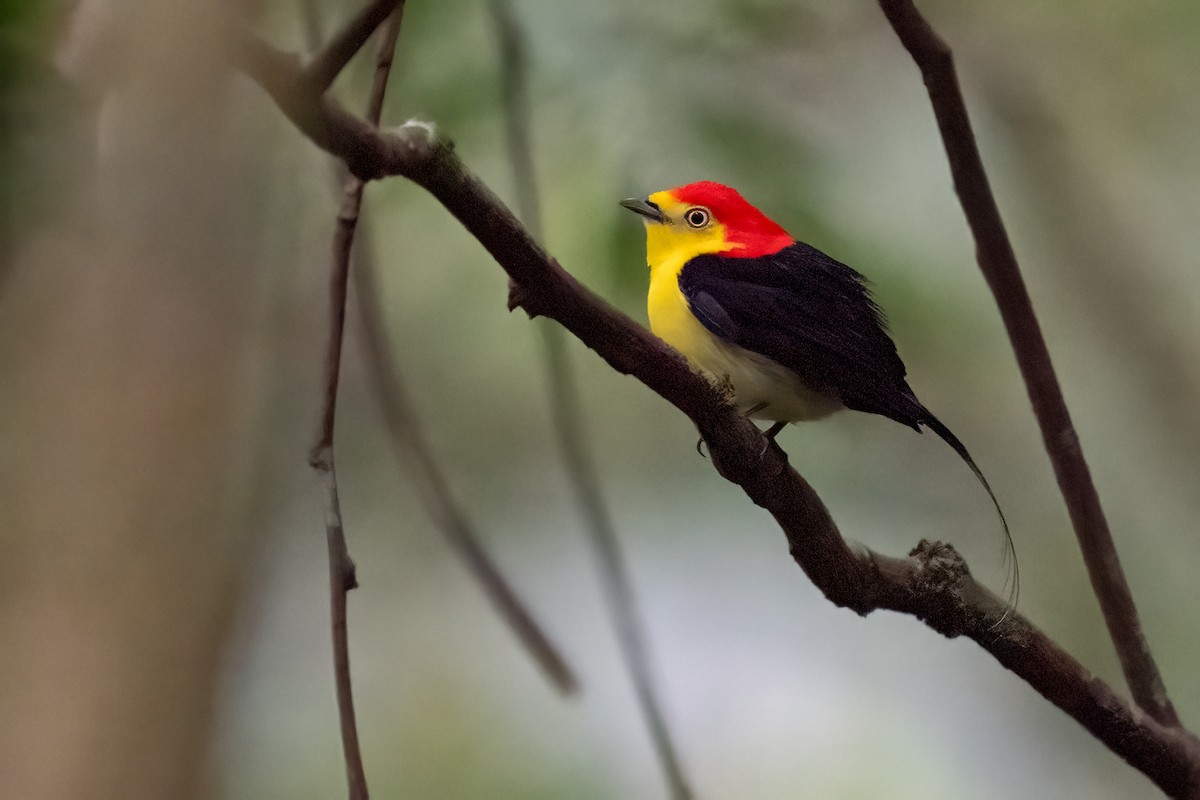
(769, 438)
(774, 430)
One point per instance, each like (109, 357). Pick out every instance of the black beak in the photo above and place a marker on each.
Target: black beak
(643, 206)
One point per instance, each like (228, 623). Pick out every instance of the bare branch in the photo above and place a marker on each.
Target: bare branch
(342, 579)
(321, 70)
(355, 142)
(342, 576)
(931, 584)
(383, 66)
(413, 451)
(341, 568)
(434, 489)
(567, 414)
(1095, 244)
(999, 265)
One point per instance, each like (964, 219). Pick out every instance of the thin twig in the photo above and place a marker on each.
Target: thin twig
(321, 70)
(413, 451)
(341, 568)
(434, 489)
(341, 580)
(567, 414)
(931, 584)
(999, 265)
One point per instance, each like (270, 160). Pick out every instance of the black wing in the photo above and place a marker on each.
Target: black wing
(810, 313)
(815, 316)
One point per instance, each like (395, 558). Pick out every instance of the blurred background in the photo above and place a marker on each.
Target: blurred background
(164, 244)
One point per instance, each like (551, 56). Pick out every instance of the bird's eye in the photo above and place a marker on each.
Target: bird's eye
(696, 217)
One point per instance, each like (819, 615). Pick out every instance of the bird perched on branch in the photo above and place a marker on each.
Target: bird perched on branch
(794, 334)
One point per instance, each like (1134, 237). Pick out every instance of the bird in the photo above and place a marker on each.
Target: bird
(789, 332)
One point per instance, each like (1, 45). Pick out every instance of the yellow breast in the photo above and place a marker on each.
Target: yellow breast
(757, 382)
(668, 248)
(671, 319)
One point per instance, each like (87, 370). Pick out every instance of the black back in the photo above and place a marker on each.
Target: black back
(810, 313)
(815, 316)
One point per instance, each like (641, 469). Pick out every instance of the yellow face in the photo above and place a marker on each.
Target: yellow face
(688, 231)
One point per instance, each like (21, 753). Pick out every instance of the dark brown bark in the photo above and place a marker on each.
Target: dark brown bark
(999, 265)
(325, 65)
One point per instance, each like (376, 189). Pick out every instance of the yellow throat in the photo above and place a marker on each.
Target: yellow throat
(759, 384)
(670, 245)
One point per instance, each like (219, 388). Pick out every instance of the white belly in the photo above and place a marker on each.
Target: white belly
(753, 380)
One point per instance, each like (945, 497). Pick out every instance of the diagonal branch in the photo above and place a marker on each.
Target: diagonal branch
(325, 65)
(999, 265)
(341, 568)
(567, 414)
(931, 584)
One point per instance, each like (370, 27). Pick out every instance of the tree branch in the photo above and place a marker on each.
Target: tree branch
(999, 265)
(567, 415)
(1094, 244)
(932, 584)
(342, 576)
(342, 579)
(321, 70)
(434, 489)
(413, 451)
